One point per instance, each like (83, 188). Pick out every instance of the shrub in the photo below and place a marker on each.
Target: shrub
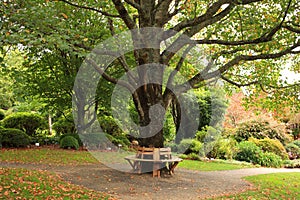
(260, 130)
(69, 142)
(250, 152)
(183, 156)
(109, 125)
(296, 142)
(224, 148)
(173, 146)
(28, 122)
(296, 133)
(269, 159)
(193, 156)
(247, 151)
(2, 115)
(293, 150)
(271, 145)
(74, 135)
(10, 137)
(64, 126)
(292, 163)
(44, 140)
(103, 140)
(208, 134)
(120, 139)
(188, 146)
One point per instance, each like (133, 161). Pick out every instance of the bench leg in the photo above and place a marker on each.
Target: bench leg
(173, 166)
(156, 170)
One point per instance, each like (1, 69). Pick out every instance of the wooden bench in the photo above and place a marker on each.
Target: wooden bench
(157, 157)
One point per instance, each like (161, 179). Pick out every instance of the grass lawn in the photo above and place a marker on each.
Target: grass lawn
(32, 184)
(271, 186)
(213, 165)
(47, 156)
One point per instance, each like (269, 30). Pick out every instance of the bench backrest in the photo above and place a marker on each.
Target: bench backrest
(155, 153)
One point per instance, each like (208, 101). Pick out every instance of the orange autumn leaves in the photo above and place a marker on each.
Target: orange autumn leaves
(27, 184)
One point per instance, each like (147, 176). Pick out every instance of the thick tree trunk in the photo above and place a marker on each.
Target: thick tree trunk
(152, 117)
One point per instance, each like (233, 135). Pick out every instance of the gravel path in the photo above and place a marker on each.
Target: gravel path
(185, 184)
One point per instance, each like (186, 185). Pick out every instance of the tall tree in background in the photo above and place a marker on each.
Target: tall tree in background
(249, 43)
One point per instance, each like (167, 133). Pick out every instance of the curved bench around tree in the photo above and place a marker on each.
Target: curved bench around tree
(153, 159)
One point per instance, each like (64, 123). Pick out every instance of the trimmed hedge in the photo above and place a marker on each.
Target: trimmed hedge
(28, 122)
(10, 137)
(69, 142)
(74, 135)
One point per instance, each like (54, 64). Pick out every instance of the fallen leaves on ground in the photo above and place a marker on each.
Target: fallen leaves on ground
(37, 184)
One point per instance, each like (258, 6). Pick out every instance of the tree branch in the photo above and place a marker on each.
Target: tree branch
(266, 37)
(211, 11)
(90, 8)
(178, 66)
(180, 42)
(240, 58)
(295, 30)
(108, 77)
(238, 84)
(203, 76)
(124, 14)
(135, 5)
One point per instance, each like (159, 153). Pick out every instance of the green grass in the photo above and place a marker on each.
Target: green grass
(47, 156)
(32, 184)
(73, 157)
(271, 186)
(212, 165)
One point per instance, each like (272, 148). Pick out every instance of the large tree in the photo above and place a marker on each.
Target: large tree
(249, 42)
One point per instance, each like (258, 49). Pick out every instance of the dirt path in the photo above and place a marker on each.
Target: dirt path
(185, 184)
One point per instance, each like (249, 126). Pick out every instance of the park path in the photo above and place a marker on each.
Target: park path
(185, 184)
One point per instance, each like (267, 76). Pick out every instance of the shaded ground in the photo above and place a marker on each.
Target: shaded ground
(185, 184)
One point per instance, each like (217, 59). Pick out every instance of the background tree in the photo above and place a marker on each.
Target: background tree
(246, 40)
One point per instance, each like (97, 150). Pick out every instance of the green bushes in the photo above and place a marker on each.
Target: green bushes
(64, 126)
(28, 122)
(250, 152)
(119, 140)
(188, 146)
(271, 145)
(109, 125)
(224, 148)
(10, 137)
(293, 150)
(247, 151)
(94, 140)
(74, 135)
(191, 156)
(297, 143)
(292, 163)
(269, 159)
(44, 140)
(260, 130)
(69, 142)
